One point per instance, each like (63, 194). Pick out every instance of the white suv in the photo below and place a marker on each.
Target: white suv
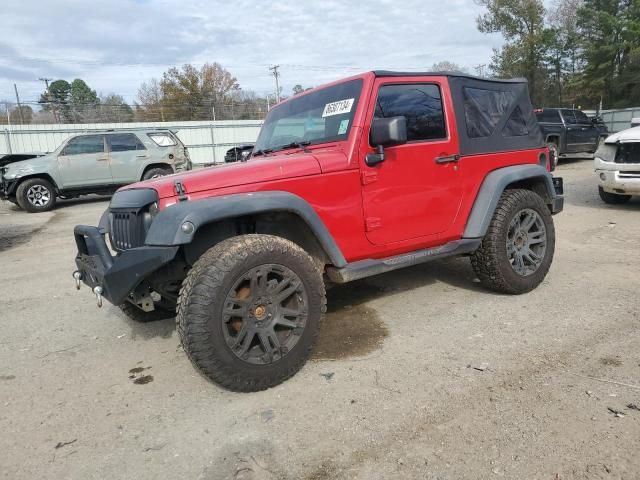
(617, 164)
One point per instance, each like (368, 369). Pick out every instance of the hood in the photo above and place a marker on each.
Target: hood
(256, 170)
(12, 158)
(629, 135)
(36, 164)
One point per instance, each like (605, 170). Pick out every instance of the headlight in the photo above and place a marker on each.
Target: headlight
(153, 209)
(11, 174)
(149, 215)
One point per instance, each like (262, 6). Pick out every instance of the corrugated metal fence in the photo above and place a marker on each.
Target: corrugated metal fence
(207, 141)
(620, 119)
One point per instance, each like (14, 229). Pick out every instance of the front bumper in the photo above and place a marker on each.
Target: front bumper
(625, 182)
(7, 188)
(118, 275)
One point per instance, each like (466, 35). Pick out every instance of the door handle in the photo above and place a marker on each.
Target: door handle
(142, 156)
(447, 159)
(103, 160)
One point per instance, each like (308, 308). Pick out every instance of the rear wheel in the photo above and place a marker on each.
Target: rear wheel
(156, 172)
(249, 311)
(36, 195)
(517, 250)
(613, 198)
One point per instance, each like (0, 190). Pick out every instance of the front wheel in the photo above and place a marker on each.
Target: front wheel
(36, 195)
(517, 250)
(249, 311)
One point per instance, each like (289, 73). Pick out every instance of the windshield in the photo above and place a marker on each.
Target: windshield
(317, 117)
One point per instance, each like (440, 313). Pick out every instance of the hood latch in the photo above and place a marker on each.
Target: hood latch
(180, 190)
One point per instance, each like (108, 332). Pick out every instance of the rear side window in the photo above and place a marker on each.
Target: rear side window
(548, 116)
(124, 142)
(421, 104)
(162, 139)
(483, 110)
(84, 145)
(516, 126)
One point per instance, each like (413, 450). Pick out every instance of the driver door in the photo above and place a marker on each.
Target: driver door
(84, 161)
(416, 191)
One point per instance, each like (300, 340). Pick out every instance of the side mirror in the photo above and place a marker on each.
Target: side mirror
(386, 132)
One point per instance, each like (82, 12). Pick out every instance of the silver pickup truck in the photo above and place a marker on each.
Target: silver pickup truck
(98, 162)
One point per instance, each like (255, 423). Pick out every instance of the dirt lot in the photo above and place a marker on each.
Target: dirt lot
(419, 373)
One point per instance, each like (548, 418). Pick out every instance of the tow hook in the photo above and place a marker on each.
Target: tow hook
(98, 291)
(77, 276)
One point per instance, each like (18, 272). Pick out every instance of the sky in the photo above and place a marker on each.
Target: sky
(115, 45)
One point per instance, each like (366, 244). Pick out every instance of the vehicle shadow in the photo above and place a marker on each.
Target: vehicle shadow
(342, 334)
(164, 328)
(84, 200)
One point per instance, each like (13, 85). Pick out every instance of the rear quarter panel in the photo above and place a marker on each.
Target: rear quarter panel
(473, 170)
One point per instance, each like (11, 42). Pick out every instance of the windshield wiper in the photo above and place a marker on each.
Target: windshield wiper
(293, 145)
(264, 151)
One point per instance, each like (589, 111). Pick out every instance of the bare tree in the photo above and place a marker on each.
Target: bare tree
(446, 66)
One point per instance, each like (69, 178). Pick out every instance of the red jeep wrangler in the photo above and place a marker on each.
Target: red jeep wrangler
(359, 177)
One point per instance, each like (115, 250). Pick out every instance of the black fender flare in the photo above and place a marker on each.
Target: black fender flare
(166, 228)
(491, 190)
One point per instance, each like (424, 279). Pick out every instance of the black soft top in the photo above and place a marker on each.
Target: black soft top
(493, 115)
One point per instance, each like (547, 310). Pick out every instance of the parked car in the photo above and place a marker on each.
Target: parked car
(92, 163)
(238, 154)
(617, 165)
(356, 178)
(568, 131)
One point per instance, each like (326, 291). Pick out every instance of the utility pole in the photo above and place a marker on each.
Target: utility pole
(15, 87)
(480, 69)
(53, 109)
(276, 74)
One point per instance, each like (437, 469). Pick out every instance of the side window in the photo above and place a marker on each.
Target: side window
(124, 142)
(548, 116)
(84, 145)
(421, 104)
(569, 117)
(483, 110)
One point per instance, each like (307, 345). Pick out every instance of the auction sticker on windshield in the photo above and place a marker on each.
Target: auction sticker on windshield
(337, 108)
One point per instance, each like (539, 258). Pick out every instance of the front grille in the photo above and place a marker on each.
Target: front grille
(629, 174)
(127, 229)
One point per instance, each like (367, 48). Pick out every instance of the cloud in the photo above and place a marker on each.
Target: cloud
(116, 45)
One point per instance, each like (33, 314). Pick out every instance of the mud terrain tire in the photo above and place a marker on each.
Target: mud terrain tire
(508, 238)
(249, 311)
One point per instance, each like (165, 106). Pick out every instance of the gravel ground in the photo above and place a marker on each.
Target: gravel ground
(420, 373)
